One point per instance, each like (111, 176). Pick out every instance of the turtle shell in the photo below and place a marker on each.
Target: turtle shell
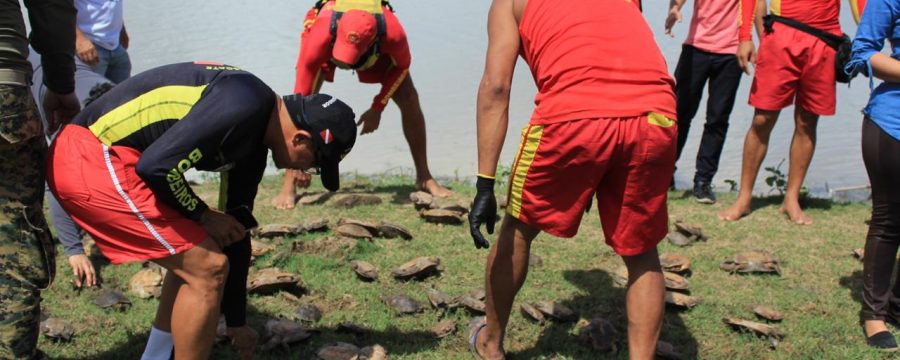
(859, 253)
(472, 304)
(444, 328)
(269, 280)
(308, 313)
(421, 200)
(441, 216)
(556, 311)
(753, 261)
(771, 332)
(354, 200)
(147, 282)
(314, 198)
(282, 332)
(338, 351)
(675, 281)
(681, 300)
(112, 299)
(374, 352)
(402, 304)
(674, 262)
(599, 334)
(531, 312)
(678, 239)
(57, 329)
(439, 299)
(276, 230)
(392, 230)
(768, 313)
(314, 225)
(259, 248)
(353, 231)
(364, 270)
(420, 267)
(694, 232)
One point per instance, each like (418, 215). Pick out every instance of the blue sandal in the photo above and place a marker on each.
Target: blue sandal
(474, 328)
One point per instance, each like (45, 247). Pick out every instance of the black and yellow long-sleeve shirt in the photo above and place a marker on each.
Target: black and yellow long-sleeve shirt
(206, 116)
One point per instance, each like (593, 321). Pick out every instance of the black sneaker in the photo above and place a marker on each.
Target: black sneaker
(883, 341)
(703, 193)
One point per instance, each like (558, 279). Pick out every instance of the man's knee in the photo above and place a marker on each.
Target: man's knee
(209, 271)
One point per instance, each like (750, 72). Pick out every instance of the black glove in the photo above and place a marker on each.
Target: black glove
(484, 211)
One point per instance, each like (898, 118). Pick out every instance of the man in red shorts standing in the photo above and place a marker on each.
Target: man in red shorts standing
(603, 123)
(793, 67)
(363, 36)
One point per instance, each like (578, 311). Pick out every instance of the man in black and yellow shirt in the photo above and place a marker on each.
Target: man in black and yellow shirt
(118, 170)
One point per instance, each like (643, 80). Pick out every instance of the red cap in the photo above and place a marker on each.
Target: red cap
(355, 34)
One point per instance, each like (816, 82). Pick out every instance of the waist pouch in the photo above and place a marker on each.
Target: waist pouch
(842, 45)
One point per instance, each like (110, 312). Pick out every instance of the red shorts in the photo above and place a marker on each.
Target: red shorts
(99, 189)
(627, 162)
(793, 63)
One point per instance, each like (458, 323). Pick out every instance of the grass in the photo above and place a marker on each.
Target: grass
(819, 291)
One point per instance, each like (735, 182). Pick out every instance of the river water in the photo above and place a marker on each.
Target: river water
(448, 40)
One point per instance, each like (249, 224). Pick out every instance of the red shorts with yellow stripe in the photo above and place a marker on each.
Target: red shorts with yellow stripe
(627, 162)
(98, 187)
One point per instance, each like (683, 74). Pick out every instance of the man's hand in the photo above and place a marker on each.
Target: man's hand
(85, 49)
(59, 109)
(83, 269)
(224, 229)
(243, 339)
(369, 121)
(674, 16)
(484, 211)
(746, 55)
(301, 179)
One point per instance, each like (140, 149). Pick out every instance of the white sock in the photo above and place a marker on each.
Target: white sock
(159, 346)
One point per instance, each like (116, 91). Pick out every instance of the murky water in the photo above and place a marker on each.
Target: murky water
(448, 40)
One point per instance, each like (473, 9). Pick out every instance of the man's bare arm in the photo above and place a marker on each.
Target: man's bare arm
(761, 10)
(492, 114)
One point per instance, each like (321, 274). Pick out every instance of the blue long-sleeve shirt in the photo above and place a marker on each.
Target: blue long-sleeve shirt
(880, 21)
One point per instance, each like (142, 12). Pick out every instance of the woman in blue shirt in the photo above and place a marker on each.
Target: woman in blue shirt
(881, 154)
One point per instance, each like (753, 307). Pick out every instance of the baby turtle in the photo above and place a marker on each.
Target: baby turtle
(667, 351)
(353, 231)
(365, 270)
(767, 313)
(283, 332)
(314, 225)
(681, 300)
(390, 230)
(678, 239)
(472, 304)
(556, 311)
(675, 263)
(534, 260)
(675, 281)
(440, 300)
(402, 304)
(309, 313)
(259, 248)
(421, 200)
(531, 313)
(57, 329)
(355, 329)
(314, 198)
(419, 268)
(752, 261)
(441, 216)
(444, 328)
(354, 200)
(374, 352)
(338, 351)
(112, 299)
(147, 282)
(599, 334)
(277, 230)
(269, 280)
(859, 253)
(768, 331)
(685, 234)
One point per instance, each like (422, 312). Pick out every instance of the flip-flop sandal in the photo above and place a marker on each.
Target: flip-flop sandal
(474, 328)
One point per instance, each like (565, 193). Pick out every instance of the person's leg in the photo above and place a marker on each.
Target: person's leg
(645, 303)
(803, 145)
(756, 144)
(195, 308)
(160, 343)
(407, 99)
(691, 73)
(119, 68)
(287, 196)
(505, 272)
(723, 84)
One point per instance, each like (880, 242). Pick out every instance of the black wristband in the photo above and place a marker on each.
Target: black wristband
(484, 184)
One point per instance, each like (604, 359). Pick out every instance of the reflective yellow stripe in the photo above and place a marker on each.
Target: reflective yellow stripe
(165, 103)
(659, 120)
(775, 7)
(531, 138)
(856, 9)
(387, 97)
(370, 6)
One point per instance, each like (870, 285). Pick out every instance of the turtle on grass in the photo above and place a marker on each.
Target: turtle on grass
(684, 234)
(364, 270)
(308, 313)
(675, 263)
(354, 200)
(444, 328)
(111, 300)
(417, 268)
(442, 216)
(283, 332)
(768, 313)
(532, 313)
(57, 329)
(147, 282)
(599, 334)
(753, 261)
(270, 280)
(681, 300)
(772, 333)
(556, 311)
(402, 304)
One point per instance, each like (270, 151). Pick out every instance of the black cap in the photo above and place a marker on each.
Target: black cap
(333, 129)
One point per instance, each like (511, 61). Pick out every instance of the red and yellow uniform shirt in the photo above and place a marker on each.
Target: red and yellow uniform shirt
(821, 14)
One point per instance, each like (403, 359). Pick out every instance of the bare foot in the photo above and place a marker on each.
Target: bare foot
(735, 212)
(432, 187)
(285, 200)
(796, 214)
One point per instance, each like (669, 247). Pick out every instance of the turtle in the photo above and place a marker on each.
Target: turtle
(421, 200)
(534, 260)
(472, 304)
(402, 304)
(675, 263)
(308, 313)
(675, 281)
(456, 207)
(478, 293)
(441, 300)
(147, 282)
(556, 311)
(391, 230)
(314, 198)
(353, 200)
(283, 332)
(530, 312)
(599, 334)
(368, 225)
(373, 352)
(364, 270)
(314, 225)
(419, 268)
(259, 248)
(768, 313)
(753, 261)
(859, 253)
(441, 216)
(355, 329)
(681, 300)
(270, 280)
(678, 239)
(665, 350)
(57, 329)
(112, 299)
(685, 234)
(338, 351)
(444, 328)
(332, 246)
(270, 231)
(353, 231)
(771, 332)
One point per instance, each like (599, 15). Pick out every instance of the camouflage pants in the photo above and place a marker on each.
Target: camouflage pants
(26, 253)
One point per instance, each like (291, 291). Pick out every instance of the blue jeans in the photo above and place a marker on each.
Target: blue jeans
(114, 64)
